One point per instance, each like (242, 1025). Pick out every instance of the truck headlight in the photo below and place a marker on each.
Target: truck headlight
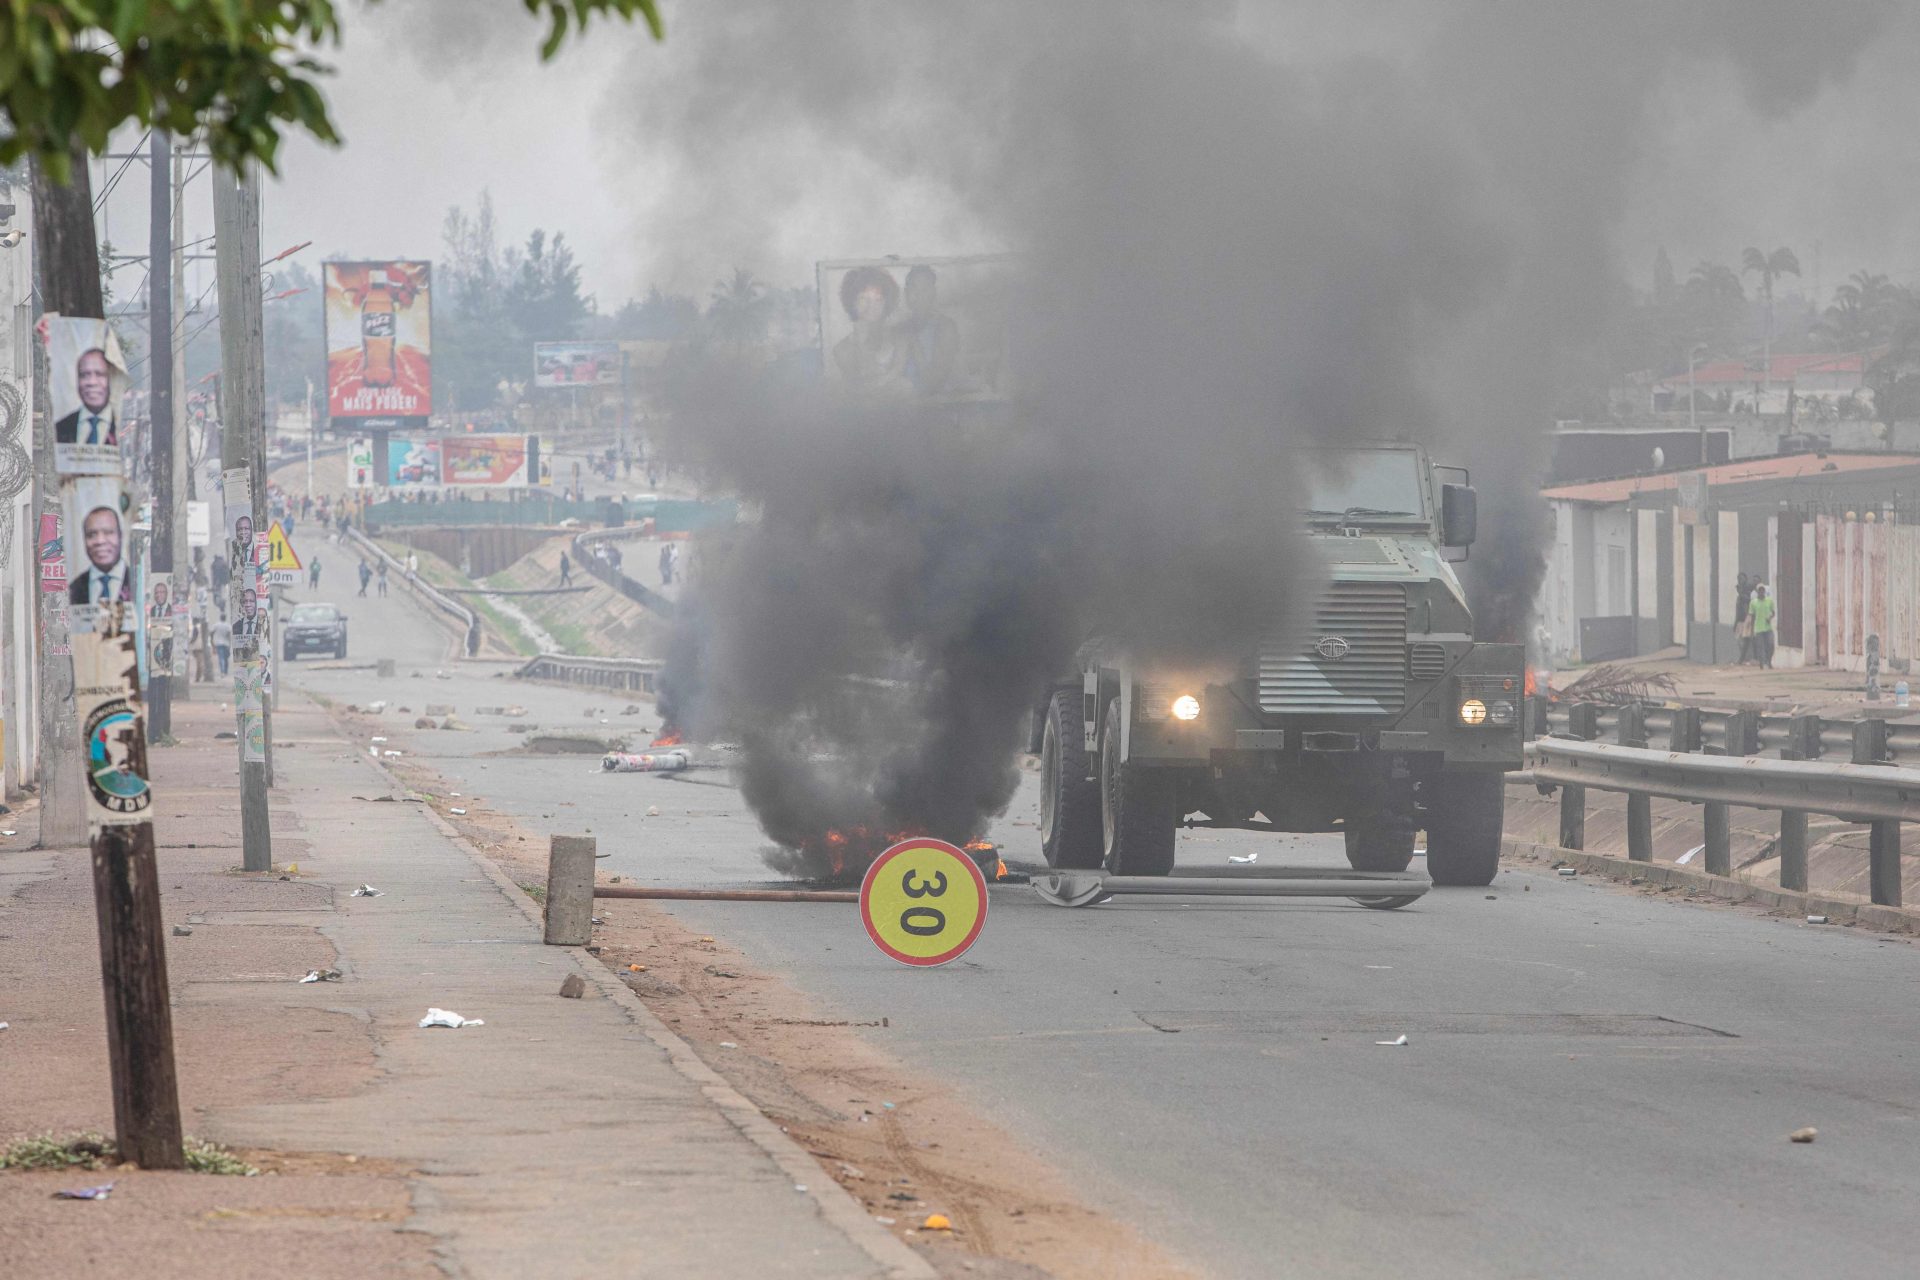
(1500, 712)
(1473, 711)
(1186, 707)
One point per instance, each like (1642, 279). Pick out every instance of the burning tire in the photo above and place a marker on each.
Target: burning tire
(1137, 809)
(1465, 815)
(1379, 842)
(1069, 803)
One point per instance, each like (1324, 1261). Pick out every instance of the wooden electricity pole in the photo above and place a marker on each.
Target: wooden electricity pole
(160, 416)
(126, 882)
(236, 226)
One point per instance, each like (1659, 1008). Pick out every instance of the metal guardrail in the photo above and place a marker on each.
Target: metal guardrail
(632, 675)
(614, 577)
(468, 619)
(1870, 787)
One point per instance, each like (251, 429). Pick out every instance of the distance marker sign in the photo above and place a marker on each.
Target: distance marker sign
(923, 902)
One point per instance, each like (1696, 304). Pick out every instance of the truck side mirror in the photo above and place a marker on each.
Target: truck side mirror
(1459, 514)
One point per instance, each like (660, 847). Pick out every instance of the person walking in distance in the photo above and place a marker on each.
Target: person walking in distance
(666, 564)
(1761, 611)
(222, 642)
(1742, 624)
(382, 573)
(366, 576)
(413, 565)
(566, 570)
(313, 574)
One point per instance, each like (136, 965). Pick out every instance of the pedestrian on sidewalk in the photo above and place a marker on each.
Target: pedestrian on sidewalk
(382, 574)
(566, 570)
(1761, 612)
(366, 576)
(413, 566)
(313, 574)
(666, 564)
(1742, 624)
(222, 642)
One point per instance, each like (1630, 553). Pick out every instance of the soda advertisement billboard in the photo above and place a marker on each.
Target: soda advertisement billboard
(379, 339)
(576, 364)
(928, 329)
(492, 462)
(413, 464)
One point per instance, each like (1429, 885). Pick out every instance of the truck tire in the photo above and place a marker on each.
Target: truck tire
(1465, 815)
(1137, 818)
(1069, 802)
(1379, 842)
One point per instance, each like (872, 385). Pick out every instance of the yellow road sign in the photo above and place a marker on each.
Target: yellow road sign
(923, 902)
(280, 552)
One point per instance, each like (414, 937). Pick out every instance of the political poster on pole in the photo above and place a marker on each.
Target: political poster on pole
(249, 700)
(87, 377)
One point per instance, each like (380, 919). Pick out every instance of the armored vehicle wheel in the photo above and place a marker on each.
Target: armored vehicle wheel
(1465, 815)
(1069, 802)
(1137, 818)
(1379, 842)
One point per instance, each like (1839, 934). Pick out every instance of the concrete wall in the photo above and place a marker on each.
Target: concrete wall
(481, 552)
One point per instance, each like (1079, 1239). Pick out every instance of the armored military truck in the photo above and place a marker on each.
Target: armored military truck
(1374, 713)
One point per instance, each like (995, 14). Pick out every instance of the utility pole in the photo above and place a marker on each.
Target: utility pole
(236, 226)
(126, 880)
(182, 688)
(67, 263)
(160, 418)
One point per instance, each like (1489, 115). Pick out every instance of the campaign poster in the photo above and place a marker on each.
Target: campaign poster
(53, 558)
(93, 507)
(490, 462)
(931, 329)
(249, 679)
(576, 364)
(112, 727)
(160, 621)
(86, 376)
(360, 473)
(379, 339)
(413, 464)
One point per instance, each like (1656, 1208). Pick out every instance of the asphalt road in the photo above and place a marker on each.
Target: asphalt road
(1595, 1084)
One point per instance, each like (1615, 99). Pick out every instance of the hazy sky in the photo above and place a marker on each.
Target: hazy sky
(439, 99)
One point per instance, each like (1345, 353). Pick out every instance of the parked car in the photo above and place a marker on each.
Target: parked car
(312, 628)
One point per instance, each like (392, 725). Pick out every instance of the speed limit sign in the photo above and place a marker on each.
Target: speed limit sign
(923, 902)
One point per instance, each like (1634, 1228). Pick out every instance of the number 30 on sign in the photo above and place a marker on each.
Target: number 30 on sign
(923, 902)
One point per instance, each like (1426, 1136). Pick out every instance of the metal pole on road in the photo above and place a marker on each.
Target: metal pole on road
(236, 216)
(160, 416)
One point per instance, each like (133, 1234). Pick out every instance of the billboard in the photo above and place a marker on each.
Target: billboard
(576, 364)
(379, 339)
(413, 464)
(931, 329)
(360, 470)
(472, 462)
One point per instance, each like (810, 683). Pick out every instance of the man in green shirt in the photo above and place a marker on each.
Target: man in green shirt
(1760, 609)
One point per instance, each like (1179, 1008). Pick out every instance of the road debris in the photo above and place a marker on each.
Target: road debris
(572, 987)
(936, 1222)
(181, 931)
(100, 1192)
(368, 891)
(653, 811)
(1816, 920)
(461, 813)
(322, 975)
(1243, 860)
(728, 1044)
(1394, 1043)
(448, 1018)
(1569, 871)
(645, 762)
(1688, 856)
(1807, 1134)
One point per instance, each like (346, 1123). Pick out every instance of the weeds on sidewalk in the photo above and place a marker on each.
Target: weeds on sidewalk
(538, 892)
(94, 1151)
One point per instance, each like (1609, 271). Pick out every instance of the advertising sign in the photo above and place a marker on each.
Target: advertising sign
(488, 461)
(360, 473)
(379, 339)
(53, 558)
(413, 464)
(933, 329)
(199, 523)
(576, 364)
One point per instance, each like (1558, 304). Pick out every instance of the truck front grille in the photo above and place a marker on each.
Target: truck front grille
(1297, 677)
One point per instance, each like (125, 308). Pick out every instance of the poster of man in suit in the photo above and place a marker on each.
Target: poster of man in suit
(87, 377)
(96, 550)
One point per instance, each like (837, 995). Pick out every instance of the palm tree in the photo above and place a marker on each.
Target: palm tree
(737, 311)
(1769, 267)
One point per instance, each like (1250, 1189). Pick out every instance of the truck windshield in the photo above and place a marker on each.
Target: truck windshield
(1363, 484)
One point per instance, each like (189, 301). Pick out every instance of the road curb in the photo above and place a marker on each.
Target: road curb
(896, 1260)
(1725, 888)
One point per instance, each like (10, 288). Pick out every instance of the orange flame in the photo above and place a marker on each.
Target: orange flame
(670, 738)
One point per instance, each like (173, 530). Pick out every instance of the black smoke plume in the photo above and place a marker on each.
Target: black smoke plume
(1232, 243)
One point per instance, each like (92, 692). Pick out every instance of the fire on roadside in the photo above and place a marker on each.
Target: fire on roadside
(849, 853)
(668, 738)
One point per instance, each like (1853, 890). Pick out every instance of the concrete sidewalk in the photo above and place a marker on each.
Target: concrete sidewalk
(562, 1138)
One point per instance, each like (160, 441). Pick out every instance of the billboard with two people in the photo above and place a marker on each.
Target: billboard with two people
(931, 329)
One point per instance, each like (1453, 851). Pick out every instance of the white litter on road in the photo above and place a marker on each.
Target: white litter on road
(1687, 857)
(1242, 860)
(322, 975)
(460, 812)
(368, 891)
(448, 1018)
(1394, 1043)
